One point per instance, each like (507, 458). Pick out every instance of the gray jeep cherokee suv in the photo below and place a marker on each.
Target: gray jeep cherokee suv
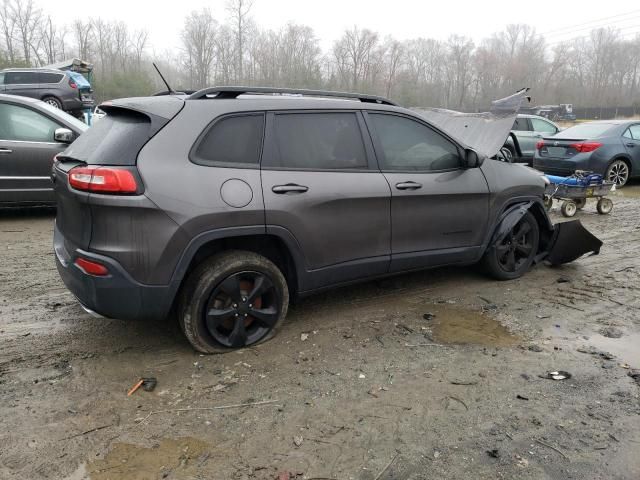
(226, 203)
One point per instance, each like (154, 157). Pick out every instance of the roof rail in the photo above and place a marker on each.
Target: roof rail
(234, 92)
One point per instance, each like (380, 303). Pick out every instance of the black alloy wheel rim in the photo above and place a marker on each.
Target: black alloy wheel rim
(516, 248)
(242, 309)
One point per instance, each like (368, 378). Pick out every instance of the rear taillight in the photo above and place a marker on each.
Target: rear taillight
(91, 267)
(103, 180)
(72, 83)
(585, 147)
(539, 145)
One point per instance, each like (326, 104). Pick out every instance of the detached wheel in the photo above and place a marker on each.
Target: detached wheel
(604, 206)
(618, 172)
(233, 300)
(580, 203)
(569, 208)
(513, 255)
(53, 101)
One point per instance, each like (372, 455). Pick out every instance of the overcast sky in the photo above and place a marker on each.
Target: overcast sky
(561, 19)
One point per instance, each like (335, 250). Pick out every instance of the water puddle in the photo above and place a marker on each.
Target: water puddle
(624, 348)
(460, 326)
(180, 457)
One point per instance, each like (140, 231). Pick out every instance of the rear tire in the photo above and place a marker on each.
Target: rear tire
(512, 256)
(232, 300)
(604, 206)
(618, 171)
(53, 101)
(568, 208)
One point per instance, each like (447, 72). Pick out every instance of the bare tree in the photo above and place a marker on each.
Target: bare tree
(352, 54)
(198, 39)
(239, 14)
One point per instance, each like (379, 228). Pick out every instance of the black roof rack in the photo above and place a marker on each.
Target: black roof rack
(234, 92)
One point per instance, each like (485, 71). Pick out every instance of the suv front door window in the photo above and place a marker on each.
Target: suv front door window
(318, 184)
(436, 204)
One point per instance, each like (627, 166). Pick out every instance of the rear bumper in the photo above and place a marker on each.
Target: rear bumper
(116, 295)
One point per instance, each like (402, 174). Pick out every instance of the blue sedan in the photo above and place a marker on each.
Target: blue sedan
(608, 147)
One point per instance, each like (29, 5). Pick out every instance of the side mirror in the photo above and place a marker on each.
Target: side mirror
(472, 159)
(63, 135)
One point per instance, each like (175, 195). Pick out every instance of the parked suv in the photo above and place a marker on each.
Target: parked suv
(56, 87)
(226, 203)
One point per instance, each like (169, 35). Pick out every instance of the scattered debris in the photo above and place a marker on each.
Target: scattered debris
(521, 397)
(149, 384)
(133, 389)
(386, 467)
(457, 400)
(563, 280)
(551, 447)
(304, 336)
(362, 375)
(198, 409)
(297, 440)
(463, 382)
(624, 365)
(611, 332)
(535, 348)
(635, 374)
(594, 351)
(429, 316)
(521, 462)
(558, 375)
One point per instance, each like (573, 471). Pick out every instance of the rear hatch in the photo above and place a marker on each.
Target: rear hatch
(114, 141)
(560, 148)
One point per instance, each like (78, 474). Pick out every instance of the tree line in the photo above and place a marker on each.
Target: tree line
(599, 68)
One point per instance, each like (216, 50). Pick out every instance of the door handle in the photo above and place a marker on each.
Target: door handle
(289, 188)
(631, 144)
(408, 186)
(5, 151)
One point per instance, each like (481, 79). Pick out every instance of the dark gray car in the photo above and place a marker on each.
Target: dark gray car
(608, 147)
(224, 204)
(55, 87)
(31, 134)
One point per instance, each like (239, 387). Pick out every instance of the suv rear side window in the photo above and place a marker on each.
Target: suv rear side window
(543, 126)
(51, 77)
(20, 78)
(411, 146)
(318, 141)
(232, 142)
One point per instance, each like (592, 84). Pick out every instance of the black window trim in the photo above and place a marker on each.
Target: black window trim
(379, 151)
(269, 150)
(632, 137)
(193, 158)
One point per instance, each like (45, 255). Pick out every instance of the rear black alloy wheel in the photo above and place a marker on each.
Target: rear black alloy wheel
(618, 172)
(511, 256)
(232, 300)
(242, 309)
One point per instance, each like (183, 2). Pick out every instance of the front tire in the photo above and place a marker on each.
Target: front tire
(232, 300)
(618, 171)
(512, 256)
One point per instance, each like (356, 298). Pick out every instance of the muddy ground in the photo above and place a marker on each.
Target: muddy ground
(359, 385)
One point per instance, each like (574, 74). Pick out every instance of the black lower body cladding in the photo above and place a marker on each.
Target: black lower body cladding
(570, 241)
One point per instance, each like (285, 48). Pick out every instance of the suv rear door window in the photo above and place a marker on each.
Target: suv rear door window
(232, 141)
(411, 146)
(318, 141)
(20, 78)
(521, 125)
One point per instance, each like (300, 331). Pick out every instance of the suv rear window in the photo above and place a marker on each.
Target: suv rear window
(318, 141)
(520, 125)
(115, 140)
(231, 141)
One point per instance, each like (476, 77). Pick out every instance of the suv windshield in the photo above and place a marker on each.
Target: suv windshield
(588, 130)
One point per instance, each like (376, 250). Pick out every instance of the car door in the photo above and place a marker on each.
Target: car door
(2, 89)
(27, 148)
(632, 145)
(25, 84)
(439, 209)
(321, 186)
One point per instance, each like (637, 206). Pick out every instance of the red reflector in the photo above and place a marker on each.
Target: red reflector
(102, 180)
(72, 84)
(586, 146)
(539, 145)
(91, 268)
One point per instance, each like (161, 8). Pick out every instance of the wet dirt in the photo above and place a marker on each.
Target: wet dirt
(459, 326)
(373, 385)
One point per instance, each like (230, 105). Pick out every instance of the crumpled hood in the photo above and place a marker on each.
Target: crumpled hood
(484, 132)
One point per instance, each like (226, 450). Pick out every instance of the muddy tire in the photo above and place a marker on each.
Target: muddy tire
(568, 208)
(604, 206)
(512, 256)
(232, 300)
